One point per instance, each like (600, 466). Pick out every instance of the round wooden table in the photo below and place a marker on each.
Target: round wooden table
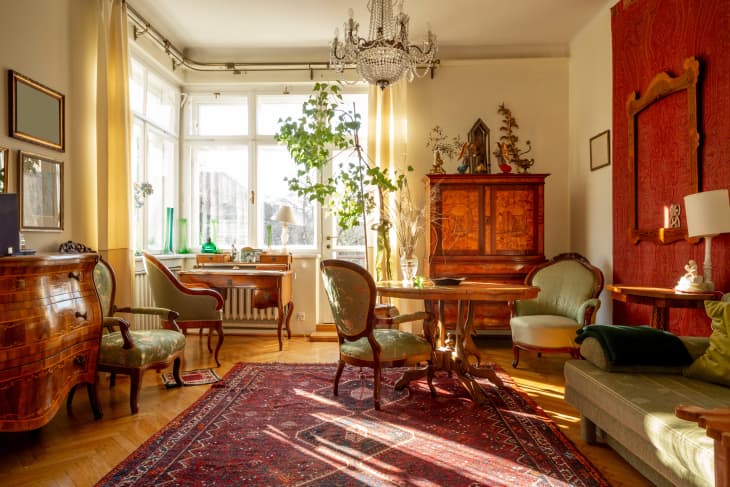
(448, 355)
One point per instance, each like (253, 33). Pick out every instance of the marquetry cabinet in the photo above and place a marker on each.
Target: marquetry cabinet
(50, 330)
(488, 228)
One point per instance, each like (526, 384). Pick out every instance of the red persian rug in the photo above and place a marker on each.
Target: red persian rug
(279, 424)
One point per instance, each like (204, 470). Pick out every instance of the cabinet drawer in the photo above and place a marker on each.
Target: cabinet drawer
(25, 333)
(32, 393)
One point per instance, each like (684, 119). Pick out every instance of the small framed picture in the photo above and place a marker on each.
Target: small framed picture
(41, 192)
(600, 146)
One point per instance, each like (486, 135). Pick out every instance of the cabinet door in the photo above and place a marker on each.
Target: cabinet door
(517, 220)
(457, 220)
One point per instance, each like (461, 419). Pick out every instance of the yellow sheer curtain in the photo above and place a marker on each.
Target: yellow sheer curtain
(113, 129)
(388, 127)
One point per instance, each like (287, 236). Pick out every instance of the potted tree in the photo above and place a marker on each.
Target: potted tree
(358, 187)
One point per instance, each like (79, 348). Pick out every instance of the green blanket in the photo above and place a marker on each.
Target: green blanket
(637, 345)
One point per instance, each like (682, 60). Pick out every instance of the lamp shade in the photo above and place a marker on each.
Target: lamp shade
(285, 215)
(708, 213)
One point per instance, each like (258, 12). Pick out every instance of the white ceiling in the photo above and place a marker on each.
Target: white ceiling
(296, 30)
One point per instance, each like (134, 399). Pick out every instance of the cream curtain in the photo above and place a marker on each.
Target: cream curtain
(113, 131)
(387, 135)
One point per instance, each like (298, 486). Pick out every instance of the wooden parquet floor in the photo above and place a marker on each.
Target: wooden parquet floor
(75, 450)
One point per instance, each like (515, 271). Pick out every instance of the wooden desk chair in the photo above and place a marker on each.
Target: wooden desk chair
(197, 307)
(351, 293)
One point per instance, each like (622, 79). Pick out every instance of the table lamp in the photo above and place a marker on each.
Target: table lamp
(708, 214)
(286, 217)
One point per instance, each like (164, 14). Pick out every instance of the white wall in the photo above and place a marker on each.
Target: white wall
(591, 230)
(535, 90)
(35, 41)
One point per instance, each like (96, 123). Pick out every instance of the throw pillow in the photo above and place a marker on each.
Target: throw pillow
(714, 365)
(637, 345)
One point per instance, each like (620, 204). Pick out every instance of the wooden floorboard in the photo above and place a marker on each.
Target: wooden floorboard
(75, 450)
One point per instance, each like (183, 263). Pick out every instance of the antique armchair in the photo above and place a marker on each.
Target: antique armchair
(351, 293)
(568, 300)
(197, 307)
(132, 352)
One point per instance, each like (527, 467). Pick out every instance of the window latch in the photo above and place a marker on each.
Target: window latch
(252, 197)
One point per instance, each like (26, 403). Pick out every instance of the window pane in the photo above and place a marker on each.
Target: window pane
(271, 108)
(161, 170)
(274, 163)
(161, 104)
(220, 195)
(139, 200)
(229, 118)
(136, 87)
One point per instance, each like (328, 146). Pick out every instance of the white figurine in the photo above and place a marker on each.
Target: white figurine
(690, 281)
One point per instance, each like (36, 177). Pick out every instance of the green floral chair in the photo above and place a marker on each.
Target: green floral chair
(351, 293)
(132, 352)
(568, 300)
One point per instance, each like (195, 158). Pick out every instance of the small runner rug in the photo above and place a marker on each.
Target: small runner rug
(197, 377)
(279, 424)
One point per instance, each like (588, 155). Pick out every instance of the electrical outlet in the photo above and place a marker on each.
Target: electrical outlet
(300, 316)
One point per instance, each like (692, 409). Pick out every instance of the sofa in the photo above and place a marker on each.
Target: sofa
(631, 408)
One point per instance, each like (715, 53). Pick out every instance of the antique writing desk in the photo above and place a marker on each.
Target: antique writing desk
(455, 356)
(660, 299)
(272, 288)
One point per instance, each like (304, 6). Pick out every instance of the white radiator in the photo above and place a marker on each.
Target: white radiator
(237, 306)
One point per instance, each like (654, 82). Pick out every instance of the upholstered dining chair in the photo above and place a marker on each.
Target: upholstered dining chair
(568, 300)
(198, 307)
(131, 352)
(351, 293)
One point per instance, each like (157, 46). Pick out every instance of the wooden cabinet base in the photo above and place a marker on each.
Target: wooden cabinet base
(50, 330)
(487, 228)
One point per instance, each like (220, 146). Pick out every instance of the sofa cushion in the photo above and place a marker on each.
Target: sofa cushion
(637, 411)
(714, 365)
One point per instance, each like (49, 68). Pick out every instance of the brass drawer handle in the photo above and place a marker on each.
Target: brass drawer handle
(75, 275)
(82, 315)
(80, 360)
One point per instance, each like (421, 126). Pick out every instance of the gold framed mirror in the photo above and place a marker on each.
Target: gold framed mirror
(659, 88)
(36, 112)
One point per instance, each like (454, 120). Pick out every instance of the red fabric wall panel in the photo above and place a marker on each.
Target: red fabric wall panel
(649, 37)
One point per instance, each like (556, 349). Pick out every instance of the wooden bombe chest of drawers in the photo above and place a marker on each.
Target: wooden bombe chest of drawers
(50, 330)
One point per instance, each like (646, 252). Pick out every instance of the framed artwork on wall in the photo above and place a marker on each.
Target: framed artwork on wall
(40, 189)
(36, 112)
(600, 146)
(4, 154)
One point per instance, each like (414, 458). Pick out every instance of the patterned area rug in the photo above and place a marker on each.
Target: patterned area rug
(197, 377)
(279, 424)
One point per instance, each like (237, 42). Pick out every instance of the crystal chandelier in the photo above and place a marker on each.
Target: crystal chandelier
(386, 55)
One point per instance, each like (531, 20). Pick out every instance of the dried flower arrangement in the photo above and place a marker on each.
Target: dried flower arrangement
(141, 191)
(507, 151)
(438, 141)
(409, 221)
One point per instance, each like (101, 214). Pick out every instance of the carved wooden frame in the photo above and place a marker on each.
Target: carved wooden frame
(660, 87)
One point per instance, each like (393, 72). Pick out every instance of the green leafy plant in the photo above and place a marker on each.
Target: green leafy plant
(357, 188)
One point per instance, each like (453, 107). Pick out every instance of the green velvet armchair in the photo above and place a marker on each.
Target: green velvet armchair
(351, 293)
(197, 307)
(131, 352)
(568, 300)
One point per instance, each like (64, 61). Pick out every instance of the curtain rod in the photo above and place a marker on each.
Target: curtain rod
(143, 27)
